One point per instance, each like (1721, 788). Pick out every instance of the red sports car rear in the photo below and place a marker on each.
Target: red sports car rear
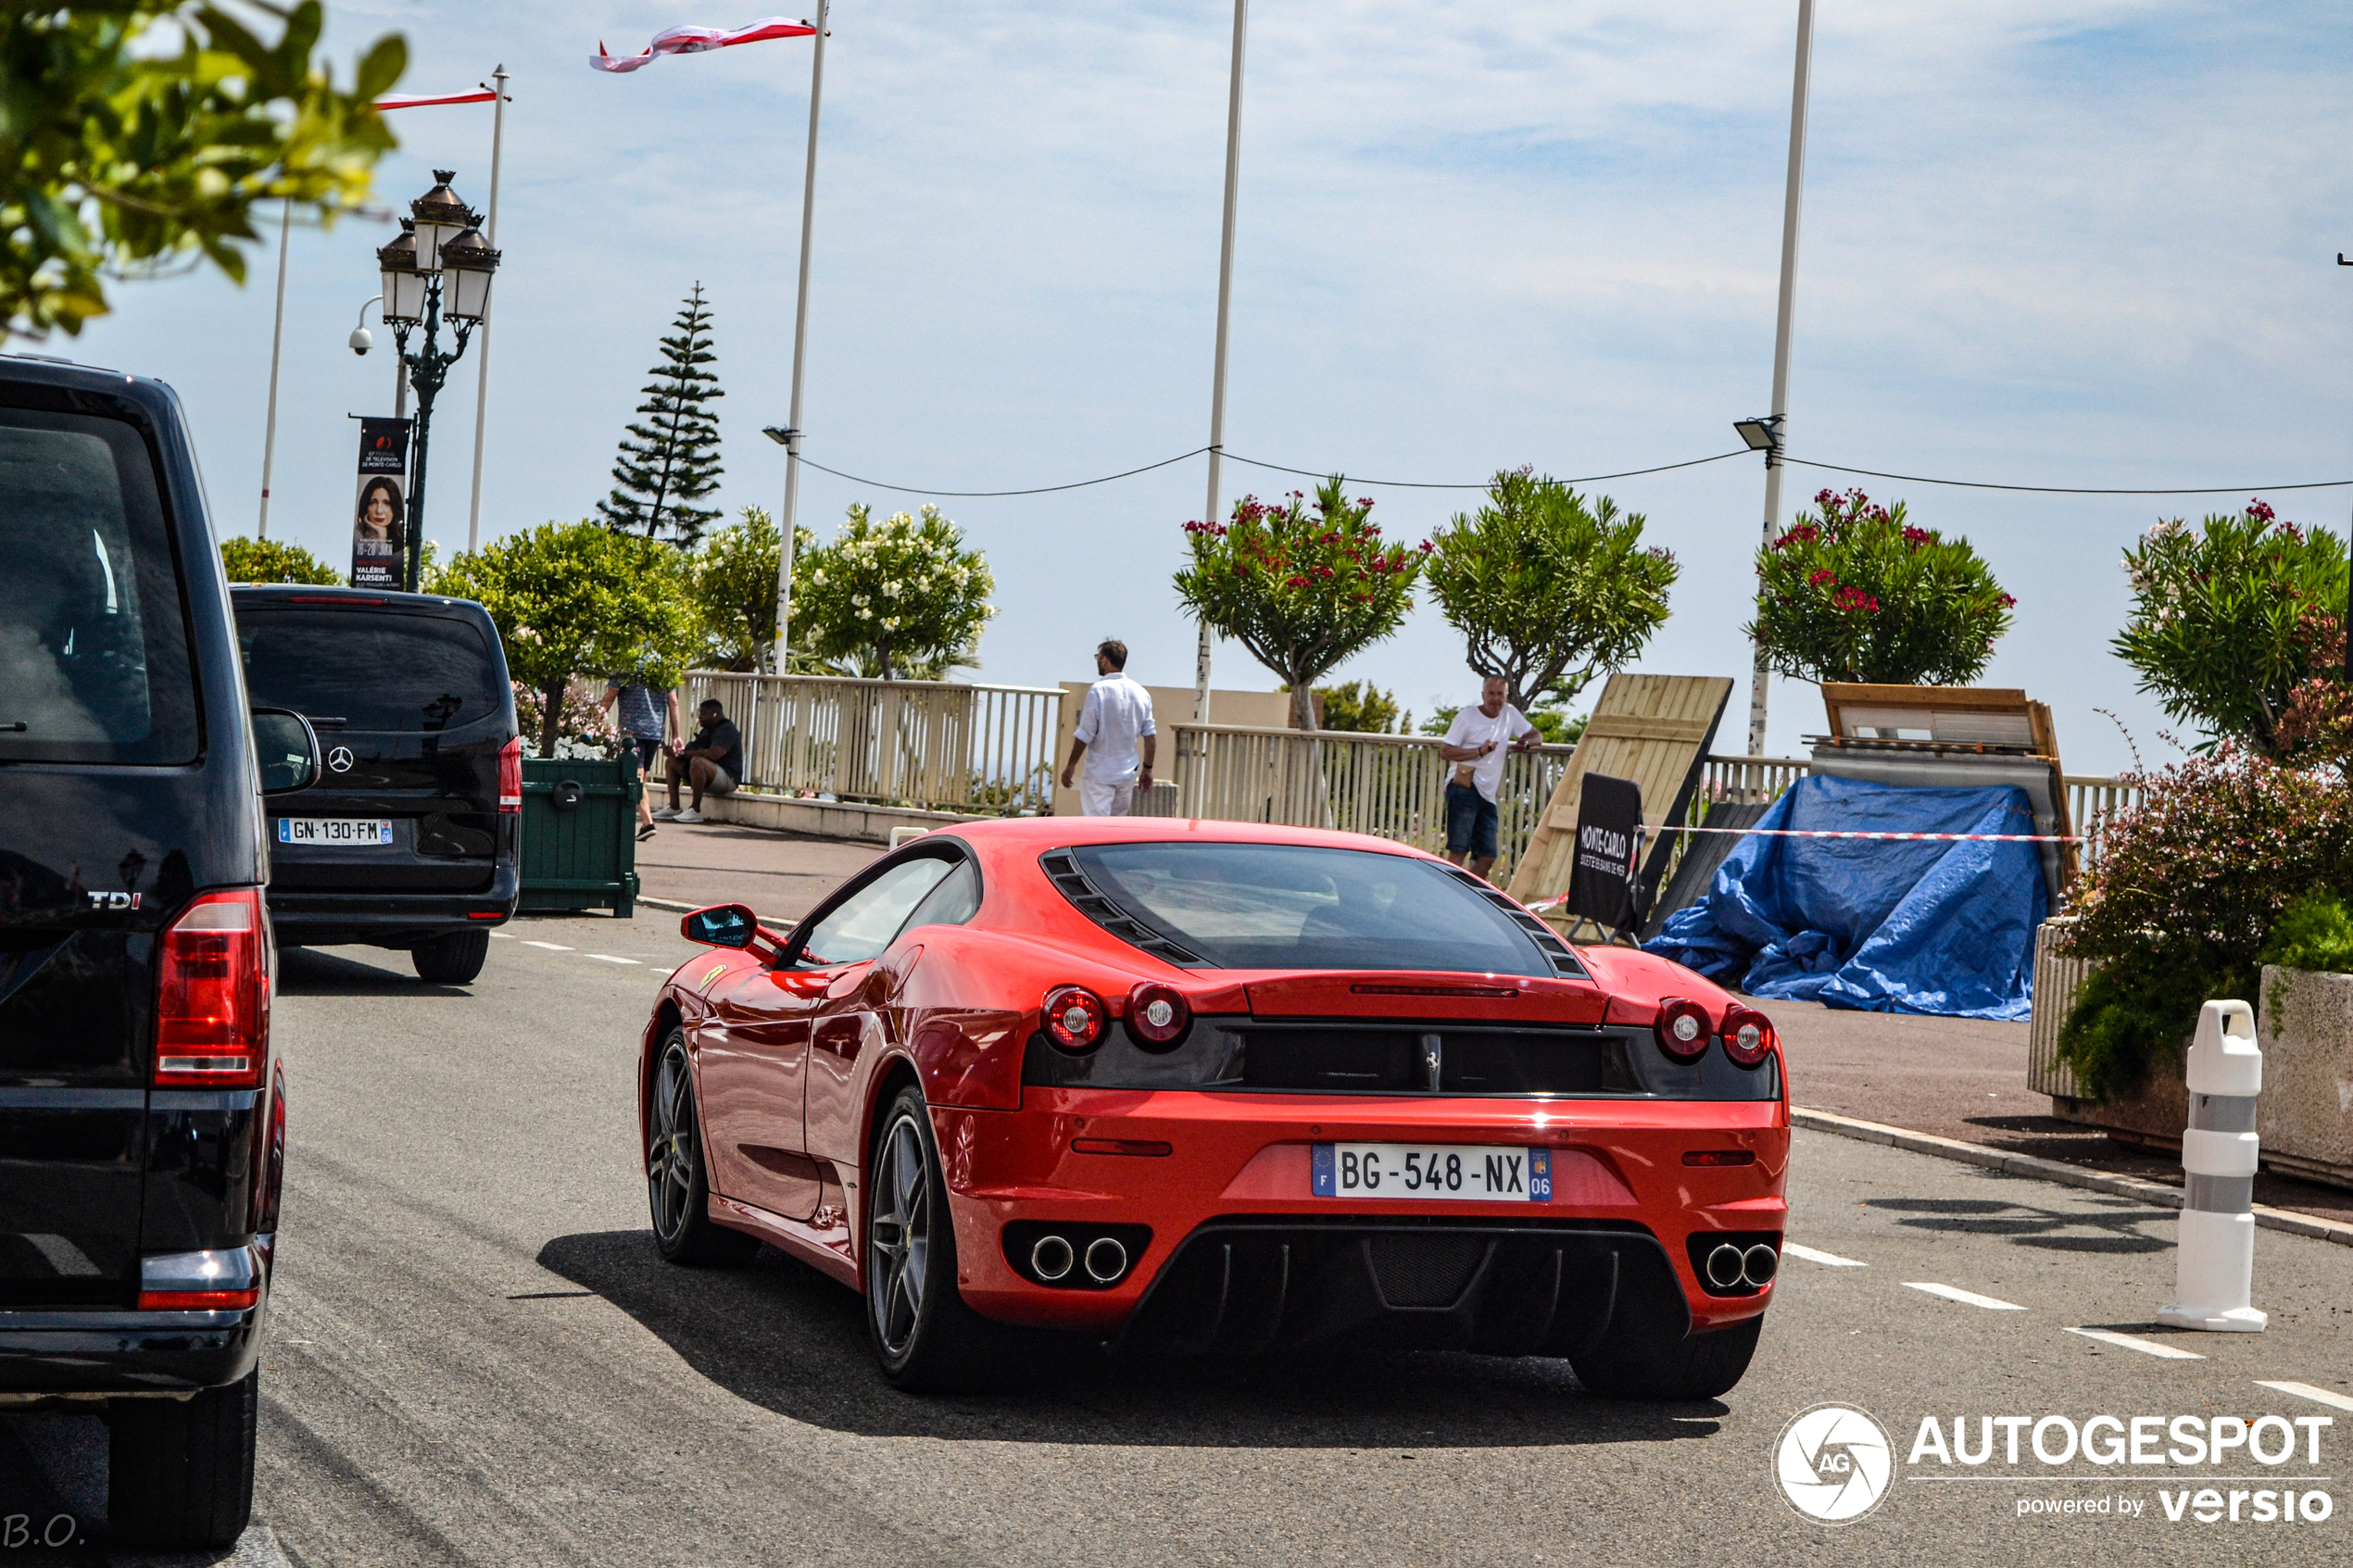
(1215, 1086)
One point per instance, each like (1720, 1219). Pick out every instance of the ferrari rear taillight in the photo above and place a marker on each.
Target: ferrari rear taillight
(510, 775)
(1748, 1035)
(1157, 1014)
(1074, 1018)
(211, 1007)
(1683, 1029)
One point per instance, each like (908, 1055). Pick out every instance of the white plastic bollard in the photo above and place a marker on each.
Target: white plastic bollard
(2216, 1259)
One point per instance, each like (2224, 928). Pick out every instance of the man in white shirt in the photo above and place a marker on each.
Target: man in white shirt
(1476, 744)
(1118, 713)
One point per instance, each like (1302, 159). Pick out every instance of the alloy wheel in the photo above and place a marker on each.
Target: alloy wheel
(901, 1232)
(670, 1171)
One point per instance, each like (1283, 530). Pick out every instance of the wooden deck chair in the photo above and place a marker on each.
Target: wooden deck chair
(1653, 729)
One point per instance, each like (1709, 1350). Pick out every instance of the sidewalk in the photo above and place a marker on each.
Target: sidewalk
(1950, 1077)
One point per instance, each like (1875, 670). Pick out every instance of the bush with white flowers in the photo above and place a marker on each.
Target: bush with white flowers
(900, 598)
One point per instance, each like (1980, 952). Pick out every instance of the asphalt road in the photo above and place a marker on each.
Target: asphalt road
(476, 1357)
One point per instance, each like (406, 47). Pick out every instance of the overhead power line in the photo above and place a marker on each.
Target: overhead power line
(1593, 479)
(2072, 489)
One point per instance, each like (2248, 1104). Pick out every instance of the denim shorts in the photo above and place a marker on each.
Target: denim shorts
(1470, 822)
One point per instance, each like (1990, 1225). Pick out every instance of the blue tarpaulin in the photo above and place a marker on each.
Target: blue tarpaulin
(1879, 925)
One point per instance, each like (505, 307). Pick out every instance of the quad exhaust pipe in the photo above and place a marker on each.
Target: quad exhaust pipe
(1728, 1267)
(1052, 1258)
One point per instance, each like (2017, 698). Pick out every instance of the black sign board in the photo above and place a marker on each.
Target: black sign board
(1603, 885)
(380, 514)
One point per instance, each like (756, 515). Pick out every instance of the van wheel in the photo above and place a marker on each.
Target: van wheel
(677, 1180)
(1635, 1362)
(453, 960)
(179, 1472)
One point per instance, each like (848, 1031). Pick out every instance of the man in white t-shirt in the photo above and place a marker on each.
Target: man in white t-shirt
(1117, 715)
(1476, 744)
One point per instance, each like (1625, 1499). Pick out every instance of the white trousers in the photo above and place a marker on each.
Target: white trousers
(1106, 797)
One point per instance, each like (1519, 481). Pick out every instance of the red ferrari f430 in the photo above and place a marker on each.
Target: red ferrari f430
(1221, 1088)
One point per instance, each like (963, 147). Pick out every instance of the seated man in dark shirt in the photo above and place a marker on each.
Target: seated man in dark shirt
(711, 762)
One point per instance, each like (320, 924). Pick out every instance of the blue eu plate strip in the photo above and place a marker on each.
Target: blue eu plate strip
(1324, 1170)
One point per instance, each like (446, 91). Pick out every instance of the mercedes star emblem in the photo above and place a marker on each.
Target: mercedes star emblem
(340, 759)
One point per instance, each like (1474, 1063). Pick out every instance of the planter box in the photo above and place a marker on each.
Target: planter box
(2303, 1117)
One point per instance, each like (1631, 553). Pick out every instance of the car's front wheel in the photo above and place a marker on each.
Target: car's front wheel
(677, 1181)
(1640, 1360)
(179, 1471)
(453, 960)
(923, 1335)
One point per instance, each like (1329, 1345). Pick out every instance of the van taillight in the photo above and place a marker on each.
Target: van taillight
(212, 1007)
(511, 776)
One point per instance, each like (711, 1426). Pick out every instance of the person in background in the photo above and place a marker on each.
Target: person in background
(711, 762)
(1118, 714)
(1476, 744)
(644, 716)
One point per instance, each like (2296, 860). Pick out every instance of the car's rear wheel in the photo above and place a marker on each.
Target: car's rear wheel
(1639, 1360)
(453, 960)
(677, 1182)
(179, 1471)
(924, 1336)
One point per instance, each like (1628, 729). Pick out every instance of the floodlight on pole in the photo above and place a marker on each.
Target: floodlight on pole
(1763, 435)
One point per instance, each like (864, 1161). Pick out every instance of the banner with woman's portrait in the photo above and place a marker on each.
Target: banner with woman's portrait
(379, 523)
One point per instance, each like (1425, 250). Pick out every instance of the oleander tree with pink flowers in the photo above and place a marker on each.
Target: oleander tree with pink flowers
(1853, 591)
(1304, 584)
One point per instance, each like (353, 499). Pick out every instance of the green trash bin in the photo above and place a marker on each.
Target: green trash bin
(580, 833)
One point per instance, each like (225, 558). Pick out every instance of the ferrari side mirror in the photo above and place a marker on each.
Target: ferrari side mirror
(722, 925)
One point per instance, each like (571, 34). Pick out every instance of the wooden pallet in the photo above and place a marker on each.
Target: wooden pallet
(1653, 729)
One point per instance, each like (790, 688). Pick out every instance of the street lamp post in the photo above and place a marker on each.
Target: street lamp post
(439, 266)
(791, 434)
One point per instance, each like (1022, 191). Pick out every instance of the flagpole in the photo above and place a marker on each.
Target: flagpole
(277, 338)
(799, 346)
(1225, 308)
(482, 375)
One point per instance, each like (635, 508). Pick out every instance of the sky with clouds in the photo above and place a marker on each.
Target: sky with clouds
(2072, 243)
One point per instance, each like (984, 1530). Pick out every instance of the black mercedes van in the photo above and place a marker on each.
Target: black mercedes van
(142, 1112)
(409, 840)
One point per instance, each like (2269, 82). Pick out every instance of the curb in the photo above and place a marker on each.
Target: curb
(2053, 1170)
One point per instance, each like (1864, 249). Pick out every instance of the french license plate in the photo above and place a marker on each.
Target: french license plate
(1481, 1172)
(334, 830)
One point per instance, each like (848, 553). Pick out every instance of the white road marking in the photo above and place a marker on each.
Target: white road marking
(2306, 1391)
(551, 946)
(607, 957)
(2147, 1347)
(1966, 1298)
(502, 936)
(1815, 1255)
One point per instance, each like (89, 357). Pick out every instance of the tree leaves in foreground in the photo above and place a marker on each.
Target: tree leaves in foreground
(139, 135)
(899, 600)
(272, 560)
(1302, 588)
(579, 600)
(1854, 592)
(671, 459)
(1548, 590)
(2230, 619)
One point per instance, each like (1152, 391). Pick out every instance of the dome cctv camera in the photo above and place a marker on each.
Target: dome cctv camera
(361, 341)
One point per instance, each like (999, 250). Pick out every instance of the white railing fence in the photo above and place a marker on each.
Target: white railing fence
(933, 744)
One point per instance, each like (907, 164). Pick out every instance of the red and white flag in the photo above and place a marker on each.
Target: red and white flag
(421, 100)
(695, 40)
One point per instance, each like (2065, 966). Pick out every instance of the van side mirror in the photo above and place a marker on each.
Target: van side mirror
(722, 925)
(287, 748)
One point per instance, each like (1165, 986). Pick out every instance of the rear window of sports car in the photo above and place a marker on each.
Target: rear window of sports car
(1278, 905)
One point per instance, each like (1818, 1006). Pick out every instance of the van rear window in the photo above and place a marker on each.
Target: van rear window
(375, 670)
(94, 643)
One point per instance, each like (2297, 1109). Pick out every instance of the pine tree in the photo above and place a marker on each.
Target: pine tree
(670, 460)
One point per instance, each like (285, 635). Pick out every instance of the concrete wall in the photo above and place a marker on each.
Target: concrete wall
(823, 819)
